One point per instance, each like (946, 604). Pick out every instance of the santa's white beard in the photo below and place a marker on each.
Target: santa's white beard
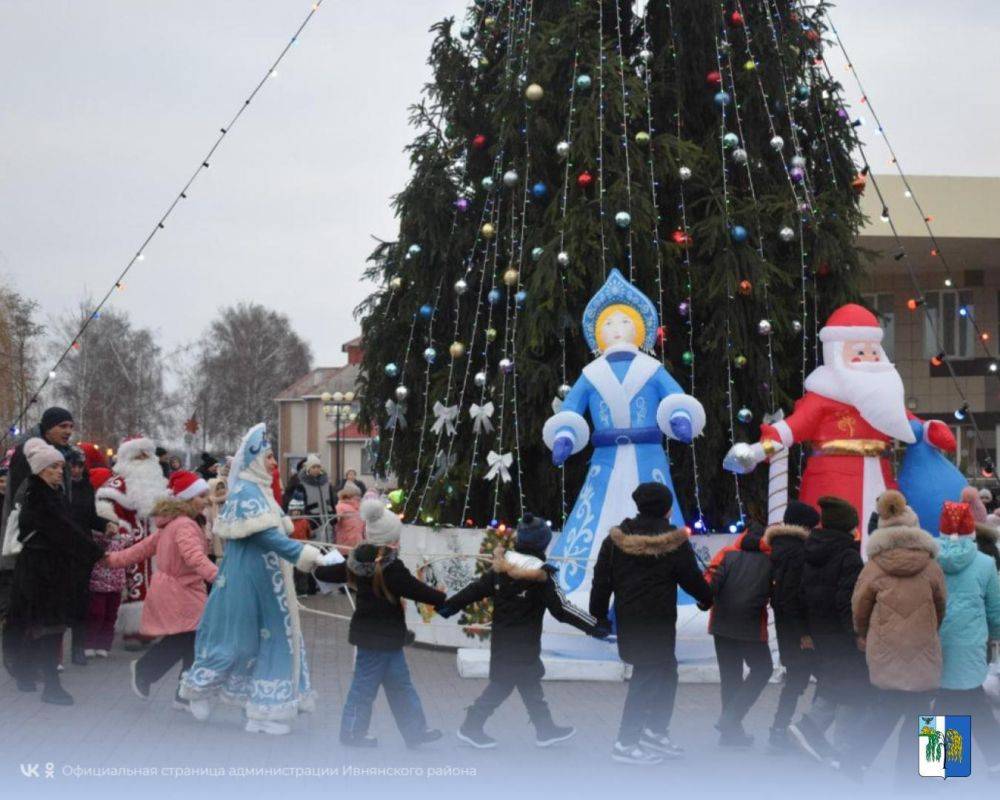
(144, 484)
(875, 389)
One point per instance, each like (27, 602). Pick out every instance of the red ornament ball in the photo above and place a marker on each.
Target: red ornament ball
(584, 179)
(823, 270)
(736, 18)
(812, 36)
(661, 334)
(745, 287)
(714, 78)
(478, 141)
(681, 238)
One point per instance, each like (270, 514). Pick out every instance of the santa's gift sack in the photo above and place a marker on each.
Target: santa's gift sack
(992, 683)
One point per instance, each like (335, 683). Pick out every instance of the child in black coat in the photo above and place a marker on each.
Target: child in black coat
(522, 588)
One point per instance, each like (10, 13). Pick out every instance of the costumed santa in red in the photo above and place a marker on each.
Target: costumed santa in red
(853, 407)
(133, 489)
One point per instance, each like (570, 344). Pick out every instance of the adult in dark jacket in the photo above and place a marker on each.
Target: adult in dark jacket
(351, 476)
(208, 468)
(521, 587)
(740, 577)
(831, 569)
(786, 542)
(641, 563)
(292, 487)
(378, 629)
(55, 428)
(54, 552)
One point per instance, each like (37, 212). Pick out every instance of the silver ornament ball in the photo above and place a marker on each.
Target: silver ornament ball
(461, 286)
(777, 143)
(799, 161)
(563, 258)
(480, 379)
(740, 155)
(797, 326)
(645, 56)
(562, 149)
(745, 415)
(510, 178)
(684, 173)
(430, 354)
(506, 365)
(764, 327)
(786, 234)
(563, 390)
(623, 219)
(402, 393)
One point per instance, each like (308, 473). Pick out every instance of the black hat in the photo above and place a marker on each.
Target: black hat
(801, 514)
(653, 499)
(837, 514)
(54, 416)
(160, 452)
(533, 533)
(208, 460)
(74, 455)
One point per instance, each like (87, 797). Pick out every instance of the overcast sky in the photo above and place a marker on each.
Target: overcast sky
(106, 106)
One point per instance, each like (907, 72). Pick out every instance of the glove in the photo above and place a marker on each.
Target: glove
(562, 448)
(940, 435)
(680, 428)
(331, 558)
(446, 611)
(743, 458)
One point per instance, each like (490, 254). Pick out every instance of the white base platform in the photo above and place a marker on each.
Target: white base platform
(475, 663)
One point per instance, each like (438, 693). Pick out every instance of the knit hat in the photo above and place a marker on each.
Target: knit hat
(312, 460)
(381, 525)
(74, 456)
(801, 515)
(533, 533)
(986, 495)
(54, 416)
(41, 454)
(972, 498)
(208, 460)
(956, 519)
(653, 499)
(837, 514)
(186, 485)
(160, 452)
(893, 511)
(349, 489)
(296, 504)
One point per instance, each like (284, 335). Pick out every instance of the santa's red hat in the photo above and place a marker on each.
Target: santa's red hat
(851, 323)
(98, 476)
(185, 485)
(956, 518)
(93, 456)
(133, 445)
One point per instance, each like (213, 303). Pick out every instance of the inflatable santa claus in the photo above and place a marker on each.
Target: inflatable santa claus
(853, 407)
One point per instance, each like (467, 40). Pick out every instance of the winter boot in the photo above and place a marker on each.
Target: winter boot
(659, 743)
(634, 754)
(548, 733)
(471, 731)
(779, 741)
(733, 735)
(55, 694)
(79, 657)
(425, 736)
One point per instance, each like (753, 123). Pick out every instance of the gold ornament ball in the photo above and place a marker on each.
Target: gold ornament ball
(457, 350)
(491, 334)
(642, 138)
(534, 92)
(489, 22)
(740, 361)
(510, 277)
(488, 230)
(396, 283)
(750, 65)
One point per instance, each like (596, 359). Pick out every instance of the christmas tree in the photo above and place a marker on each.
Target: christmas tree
(698, 147)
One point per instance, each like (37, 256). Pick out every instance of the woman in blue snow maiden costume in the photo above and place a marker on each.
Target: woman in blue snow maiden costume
(248, 648)
(633, 403)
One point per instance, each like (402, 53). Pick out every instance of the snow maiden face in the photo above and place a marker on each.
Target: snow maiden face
(617, 325)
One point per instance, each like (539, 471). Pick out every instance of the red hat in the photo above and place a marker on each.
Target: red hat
(93, 456)
(185, 485)
(956, 518)
(851, 323)
(99, 476)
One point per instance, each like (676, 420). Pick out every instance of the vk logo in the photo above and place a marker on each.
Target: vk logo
(30, 770)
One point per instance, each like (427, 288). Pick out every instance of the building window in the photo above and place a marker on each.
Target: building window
(948, 324)
(882, 305)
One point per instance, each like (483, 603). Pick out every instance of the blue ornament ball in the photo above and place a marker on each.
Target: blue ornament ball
(722, 99)
(730, 140)
(623, 219)
(391, 370)
(537, 253)
(414, 250)
(745, 415)
(493, 297)
(520, 297)
(487, 183)
(426, 311)
(739, 234)
(802, 90)
(583, 82)
(539, 190)
(429, 355)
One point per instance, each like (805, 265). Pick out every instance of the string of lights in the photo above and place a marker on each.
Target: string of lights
(624, 221)
(600, 132)
(13, 428)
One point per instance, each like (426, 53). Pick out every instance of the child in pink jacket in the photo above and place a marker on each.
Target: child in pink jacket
(177, 594)
(350, 528)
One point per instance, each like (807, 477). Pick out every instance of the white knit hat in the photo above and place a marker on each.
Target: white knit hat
(312, 460)
(41, 454)
(381, 525)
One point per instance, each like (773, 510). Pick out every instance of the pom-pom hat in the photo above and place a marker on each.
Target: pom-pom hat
(41, 454)
(186, 485)
(382, 527)
(957, 520)
(893, 512)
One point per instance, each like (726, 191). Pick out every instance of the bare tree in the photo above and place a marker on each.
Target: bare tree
(114, 382)
(19, 351)
(249, 354)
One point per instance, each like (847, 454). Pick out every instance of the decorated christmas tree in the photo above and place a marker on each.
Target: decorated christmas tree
(699, 148)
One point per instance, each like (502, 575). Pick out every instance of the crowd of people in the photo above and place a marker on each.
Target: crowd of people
(889, 633)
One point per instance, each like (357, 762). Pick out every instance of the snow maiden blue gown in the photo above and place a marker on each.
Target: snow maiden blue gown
(633, 403)
(248, 647)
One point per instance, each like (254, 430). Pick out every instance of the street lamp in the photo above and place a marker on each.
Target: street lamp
(337, 409)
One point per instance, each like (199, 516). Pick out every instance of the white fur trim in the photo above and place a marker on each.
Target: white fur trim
(129, 618)
(106, 510)
(112, 494)
(129, 450)
(308, 558)
(566, 419)
(784, 432)
(248, 526)
(200, 486)
(673, 403)
(616, 394)
(850, 334)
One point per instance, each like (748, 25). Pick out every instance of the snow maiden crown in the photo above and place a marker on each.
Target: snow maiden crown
(250, 507)
(617, 291)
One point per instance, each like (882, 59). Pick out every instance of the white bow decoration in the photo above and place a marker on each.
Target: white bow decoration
(396, 416)
(499, 466)
(556, 405)
(446, 416)
(481, 417)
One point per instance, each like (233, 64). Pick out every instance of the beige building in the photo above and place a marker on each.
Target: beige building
(957, 310)
(315, 415)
